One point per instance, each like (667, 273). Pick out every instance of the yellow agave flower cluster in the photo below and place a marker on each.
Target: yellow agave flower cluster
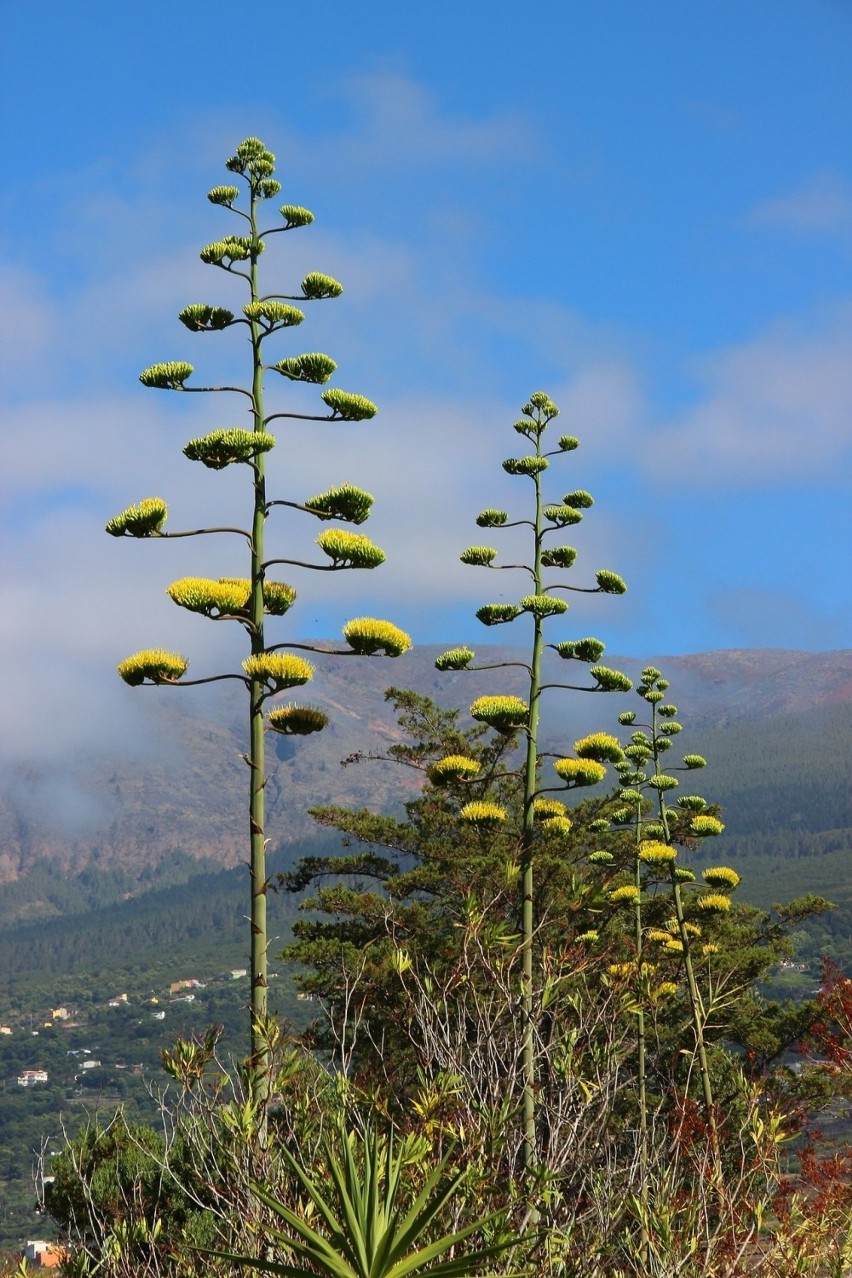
(153, 665)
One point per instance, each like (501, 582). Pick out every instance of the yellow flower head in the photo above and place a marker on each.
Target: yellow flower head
(626, 895)
(367, 636)
(544, 808)
(278, 669)
(577, 772)
(483, 813)
(721, 876)
(714, 902)
(454, 767)
(601, 746)
(652, 852)
(702, 826)
(152, 665)
(502, 713)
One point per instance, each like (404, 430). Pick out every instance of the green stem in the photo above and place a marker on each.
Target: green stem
(257, 740)
(640, 1054)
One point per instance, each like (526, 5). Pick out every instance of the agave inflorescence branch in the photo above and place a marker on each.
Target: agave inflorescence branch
(267, 670)
(515, 714)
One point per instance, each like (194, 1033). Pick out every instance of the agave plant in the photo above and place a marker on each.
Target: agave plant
(363, 1230)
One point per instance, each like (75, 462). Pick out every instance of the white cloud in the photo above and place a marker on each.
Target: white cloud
(822, 205)
(776, 408)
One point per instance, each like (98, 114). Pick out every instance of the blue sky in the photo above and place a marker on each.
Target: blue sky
(644, 209)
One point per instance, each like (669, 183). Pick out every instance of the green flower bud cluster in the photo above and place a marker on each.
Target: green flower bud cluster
(691, 803)
(610, 680)
(152, 665)
(268, 189)
(662, 782)
(580, 499)
(142, 520)
(296, 720)
(223, 448)
(224, 195)
(316, 286)
(366, 636)
(694, 761)
(454, 659)
(491, 518)
(478, 556)
(294, 215)
(541, 405)
(278, 670)
(531, 465)
(579, 772)
(454, 767)
(600, 858)
(497, 614)
(559, 557)
(671, 729)
(200, 318)
(350, 550)
(233, 248)
(567, 443)
(169, 376)
(609, 583)
(479, 813)
(346, 407)
(543, 605)
(314, 368)
(667, 711)
(626, 718)
(504, 714)
(253, 158)
(345, 502)
(601, 746)
(561, 516)
(273, 315)
(586, 650)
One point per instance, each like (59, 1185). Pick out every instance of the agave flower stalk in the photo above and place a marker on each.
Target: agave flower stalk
(250, 601)
(515, 714)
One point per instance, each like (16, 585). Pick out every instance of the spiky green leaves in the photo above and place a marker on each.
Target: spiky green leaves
(153, 665)
(543, 605)
(497, 614)
(366, 636)
(454, 767)
(454, 659)
(224, 195)
(609, 583)
(229, 596)
(504, 714)
(346, 502)
(482, 813)
(350, 550)
(316, 286)
(559, 557)
(297, 721)
(226, 447)
(579, 772)
(491, 518)
(346, 407)
(587, 650)
(142, 520)
(278, 670)
(478, 556)
(525, 465)
(562, 516)
(294, 215)
(200, 318)
(314, 367)
(272, 315)
(168, 376)
(610, 680)
(601, 746)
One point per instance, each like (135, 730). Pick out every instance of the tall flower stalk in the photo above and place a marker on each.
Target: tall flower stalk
(511, 714)
(266, 671)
